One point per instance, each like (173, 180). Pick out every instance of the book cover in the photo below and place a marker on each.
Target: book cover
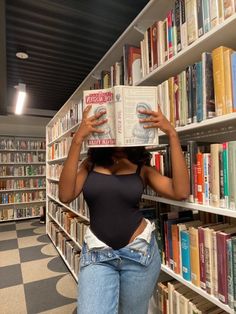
(228, 8)
(121, 104)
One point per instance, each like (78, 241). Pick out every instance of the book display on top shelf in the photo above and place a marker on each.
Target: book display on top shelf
(22, 177)
(121, 105)
(186, 52)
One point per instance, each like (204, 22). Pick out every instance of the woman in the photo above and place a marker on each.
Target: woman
(120, 262)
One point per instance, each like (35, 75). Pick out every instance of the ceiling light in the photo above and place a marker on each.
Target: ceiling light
(22, 55)
(20, 98)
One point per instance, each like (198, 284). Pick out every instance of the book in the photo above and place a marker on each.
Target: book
(121, 104)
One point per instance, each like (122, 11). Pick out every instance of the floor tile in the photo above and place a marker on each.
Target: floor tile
(66, 309)
(46, 301)
(8, 235)
(49, 250)
(31, 253)
(9, 257)
(8, 245)
(28, 241)
(38, 270)
(8, 226)
(10, 276)
(13, 300)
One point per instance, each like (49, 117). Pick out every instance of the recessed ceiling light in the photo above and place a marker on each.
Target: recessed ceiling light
(22, 55)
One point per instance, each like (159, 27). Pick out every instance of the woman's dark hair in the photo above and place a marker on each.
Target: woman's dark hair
(102, 156)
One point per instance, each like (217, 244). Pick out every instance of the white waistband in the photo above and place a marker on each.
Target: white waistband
(93, 242)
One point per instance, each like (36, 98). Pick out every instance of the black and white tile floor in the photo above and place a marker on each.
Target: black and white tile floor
(33, 278)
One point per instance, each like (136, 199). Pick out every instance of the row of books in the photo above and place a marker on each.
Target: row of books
(21, 144)
(29, 170)
(78, 205)
(59, 149)
(71, 222)
(21, 197)
(203, 90)
(173, 297)
(211, 170)
(10, 184)
(184, 24)
(70, 118)
(54, 170)
(202, 253)
(66, 246)
(22, 157)
(14, 213)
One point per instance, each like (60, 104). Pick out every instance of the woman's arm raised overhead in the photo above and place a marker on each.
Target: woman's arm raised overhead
(73, 176)
(178, 186)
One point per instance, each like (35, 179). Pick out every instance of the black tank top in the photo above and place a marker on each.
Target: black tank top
(113, 202)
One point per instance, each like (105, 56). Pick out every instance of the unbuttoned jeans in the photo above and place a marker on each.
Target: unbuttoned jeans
(118, 281)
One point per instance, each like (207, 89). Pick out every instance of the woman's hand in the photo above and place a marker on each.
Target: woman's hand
(89, 125)
(157, 120)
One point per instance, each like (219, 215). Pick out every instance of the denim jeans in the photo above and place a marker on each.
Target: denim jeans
(118, 281)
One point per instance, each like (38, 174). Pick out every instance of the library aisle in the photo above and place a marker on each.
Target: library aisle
(34, 279)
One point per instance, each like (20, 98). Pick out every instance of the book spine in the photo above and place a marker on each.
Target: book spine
(215, 176)
(200, 189)
(175, 242)
(233, 71)
(200, 18)
(194, 256)
(206, 179)
(226, 173)
(185, 252)
(232, 171)
(221, 179)
(222, 267)
(219, 81)
(214, 266)
(234, 270)
(206, 16)
(199, 92)
(170, 34)
(183, 25)
(228, 81)
(202, 258)
(191, 17)
(177, 24)
(194, 93)
(214, 12)
(189, 93)
(192, 151)
(230, 267)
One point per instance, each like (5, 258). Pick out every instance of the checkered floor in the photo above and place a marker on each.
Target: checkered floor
(33, 278)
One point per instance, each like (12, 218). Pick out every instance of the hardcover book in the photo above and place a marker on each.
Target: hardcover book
(121, 105)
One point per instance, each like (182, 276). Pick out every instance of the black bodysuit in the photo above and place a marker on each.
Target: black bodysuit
(113, 204)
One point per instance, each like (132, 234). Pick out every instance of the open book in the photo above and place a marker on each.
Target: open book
(122, 104)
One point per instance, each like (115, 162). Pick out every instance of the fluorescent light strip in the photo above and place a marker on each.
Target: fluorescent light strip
(20, 102)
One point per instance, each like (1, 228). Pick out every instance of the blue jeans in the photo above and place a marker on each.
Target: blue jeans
(118, 281)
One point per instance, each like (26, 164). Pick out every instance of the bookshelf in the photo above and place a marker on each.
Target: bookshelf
(220, 128)
(22, 177)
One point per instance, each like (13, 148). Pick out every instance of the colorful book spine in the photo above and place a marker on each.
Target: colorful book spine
(202, 258)
(185, 253)
(199, 92)
(226, 173)
(233, 71)
(206, 16)
(230, 269)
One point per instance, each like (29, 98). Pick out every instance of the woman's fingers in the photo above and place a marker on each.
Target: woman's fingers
(97, 115)
(97, 123)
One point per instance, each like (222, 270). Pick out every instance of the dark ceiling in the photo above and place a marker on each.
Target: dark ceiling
(65, 39)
